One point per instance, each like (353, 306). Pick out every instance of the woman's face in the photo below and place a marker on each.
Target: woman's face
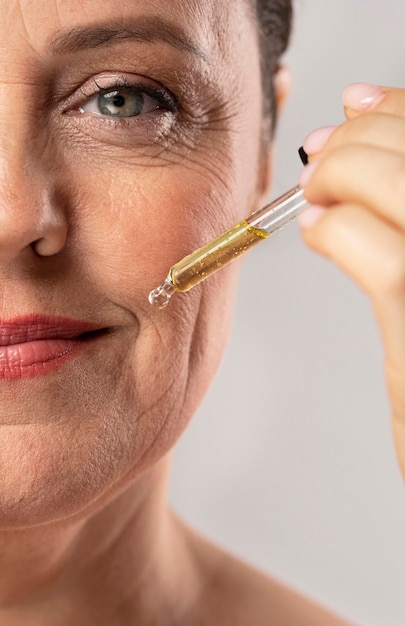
(130, 133)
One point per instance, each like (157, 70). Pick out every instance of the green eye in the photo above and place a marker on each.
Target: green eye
(128, 101)
(123, 102)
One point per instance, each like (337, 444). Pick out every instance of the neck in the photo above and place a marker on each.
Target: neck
(102, 570)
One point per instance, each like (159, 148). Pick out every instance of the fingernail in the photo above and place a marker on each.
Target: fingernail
(311, 216)
(361, 96)
(307, 173)
(316, 141)
(303, 155)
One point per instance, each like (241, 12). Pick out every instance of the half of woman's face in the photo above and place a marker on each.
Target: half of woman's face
(134, 128)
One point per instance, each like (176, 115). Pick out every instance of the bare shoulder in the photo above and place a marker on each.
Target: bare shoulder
(236, 594)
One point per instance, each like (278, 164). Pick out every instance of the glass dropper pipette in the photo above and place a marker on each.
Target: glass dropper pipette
(202, 263)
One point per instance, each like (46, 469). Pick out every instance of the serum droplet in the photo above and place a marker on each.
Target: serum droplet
(161, 296)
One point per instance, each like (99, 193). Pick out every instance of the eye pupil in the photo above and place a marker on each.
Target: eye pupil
(123, 102)
(119, 101)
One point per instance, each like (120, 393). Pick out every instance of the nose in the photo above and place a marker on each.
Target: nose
(32, 222)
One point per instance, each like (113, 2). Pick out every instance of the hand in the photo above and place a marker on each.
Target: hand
(356, 184)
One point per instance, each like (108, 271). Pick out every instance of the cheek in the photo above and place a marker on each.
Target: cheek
(128, 226)
(133, 227)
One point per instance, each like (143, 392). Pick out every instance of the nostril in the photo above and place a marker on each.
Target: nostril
(53, 241)
(43, 235)
(33, 221)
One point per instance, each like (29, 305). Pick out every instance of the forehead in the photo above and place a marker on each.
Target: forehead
(212, 26)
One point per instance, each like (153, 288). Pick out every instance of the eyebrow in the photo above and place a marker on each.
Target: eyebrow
(144, 29)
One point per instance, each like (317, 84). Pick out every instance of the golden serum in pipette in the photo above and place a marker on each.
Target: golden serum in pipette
(220, 251)
(202, 263)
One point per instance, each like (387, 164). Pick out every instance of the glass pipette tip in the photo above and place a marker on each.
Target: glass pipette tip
(205, 261)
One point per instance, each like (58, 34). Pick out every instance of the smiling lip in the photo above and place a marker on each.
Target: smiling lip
(36, 344)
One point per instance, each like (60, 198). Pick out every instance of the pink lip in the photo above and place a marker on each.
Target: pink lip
(35, 344)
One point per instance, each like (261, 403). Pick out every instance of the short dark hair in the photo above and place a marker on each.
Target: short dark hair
(274, 19)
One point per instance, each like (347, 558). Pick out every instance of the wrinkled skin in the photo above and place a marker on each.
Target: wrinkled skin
(93, 211)
(112, 203)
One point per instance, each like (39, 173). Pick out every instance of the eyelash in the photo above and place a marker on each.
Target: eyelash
(167, 103)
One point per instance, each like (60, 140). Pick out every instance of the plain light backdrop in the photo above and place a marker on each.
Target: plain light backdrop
(289, 463)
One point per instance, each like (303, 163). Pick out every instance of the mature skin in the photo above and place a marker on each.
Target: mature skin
(111, 203)
(93, 210)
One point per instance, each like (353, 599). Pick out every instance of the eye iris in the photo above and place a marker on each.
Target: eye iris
(124, 102)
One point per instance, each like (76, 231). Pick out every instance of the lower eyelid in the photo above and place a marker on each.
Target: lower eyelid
(103, 129)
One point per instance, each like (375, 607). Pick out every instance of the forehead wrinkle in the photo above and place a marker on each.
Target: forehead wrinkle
(143, 28)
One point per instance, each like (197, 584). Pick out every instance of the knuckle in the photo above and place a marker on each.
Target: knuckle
(357, 129)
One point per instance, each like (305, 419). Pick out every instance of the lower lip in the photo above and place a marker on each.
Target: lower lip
(33, 358)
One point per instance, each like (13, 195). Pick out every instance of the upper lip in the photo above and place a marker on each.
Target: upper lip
(36, 327)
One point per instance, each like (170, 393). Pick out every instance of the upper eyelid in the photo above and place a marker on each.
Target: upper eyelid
(96, 88)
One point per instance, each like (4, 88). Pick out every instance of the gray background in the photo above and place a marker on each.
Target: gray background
(289, 463)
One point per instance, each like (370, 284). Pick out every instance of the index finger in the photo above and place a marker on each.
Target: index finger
(360, 98)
